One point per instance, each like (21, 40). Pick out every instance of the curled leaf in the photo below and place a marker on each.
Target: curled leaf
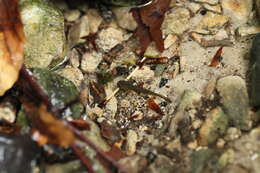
(55, 130)
(11, 44)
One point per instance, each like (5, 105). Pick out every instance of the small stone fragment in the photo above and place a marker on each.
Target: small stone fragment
(235, 102)
(170, 40)
(125, 18)
(144, 74)
(72, 74)
(90, 61)
(176, 21)
(212, 2)
(213, 8)
(72, 15)
(211, 23)
(79, 30)
(94, 20)
(109, 38)
(232, 134)
(214, 126)
(131, 140)
(7, 112)
(248, 30)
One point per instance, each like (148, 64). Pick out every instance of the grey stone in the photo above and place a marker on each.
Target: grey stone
(199, 159)
(235, 101)
(44, 32)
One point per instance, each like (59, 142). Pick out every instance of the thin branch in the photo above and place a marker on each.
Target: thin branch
(84, 159)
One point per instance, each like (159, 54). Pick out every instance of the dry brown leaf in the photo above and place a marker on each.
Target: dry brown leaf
(149, 20)
(11, 44)
(55, 130)
(216, 58)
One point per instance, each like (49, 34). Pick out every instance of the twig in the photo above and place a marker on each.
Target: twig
(117, 89)
(97, 149)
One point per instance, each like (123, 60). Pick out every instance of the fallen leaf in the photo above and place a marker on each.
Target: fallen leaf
(142, 32)
(80, 124)
(11, 44)
(216, 58)
(154, 106)
(48, 126)
(149, 20)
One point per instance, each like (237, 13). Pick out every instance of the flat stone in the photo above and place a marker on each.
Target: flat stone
(176, 21)
(125, 18)
(144, 74)
(211, 23)
(79, 30)
(212, 2)
(72, 74)
(237, 10)
(109, 38)
(235, 101)
(90, 61)
(44, 32)
(72, 15)
(94, 20)
(215, 125)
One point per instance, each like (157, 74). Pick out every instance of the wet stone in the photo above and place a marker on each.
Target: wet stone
(60, 90)
(235, 101)
(44, 32)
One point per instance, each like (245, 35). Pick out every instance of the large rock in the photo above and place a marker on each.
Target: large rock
(44, 32)
(235, 101)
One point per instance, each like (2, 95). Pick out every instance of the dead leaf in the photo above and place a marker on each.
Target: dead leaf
(216, 58)
(11, 44)
(154, 106)
(80, 124)
(142, 31)
(151, 18)
(55, 130)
